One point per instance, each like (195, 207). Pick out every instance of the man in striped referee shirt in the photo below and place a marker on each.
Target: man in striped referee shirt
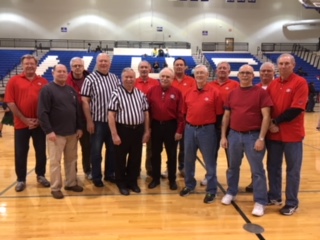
(129, 124)
(96, 94)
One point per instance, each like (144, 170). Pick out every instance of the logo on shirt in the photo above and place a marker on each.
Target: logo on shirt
(227, 88)
(172, 96)
(288, 90)
(206, 99)
(184, 84)
(39, 83)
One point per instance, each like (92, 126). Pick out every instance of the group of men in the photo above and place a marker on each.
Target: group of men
(99, 109)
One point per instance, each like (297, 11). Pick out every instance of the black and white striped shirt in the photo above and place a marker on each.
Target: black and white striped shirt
(130, 107)
(99, 87)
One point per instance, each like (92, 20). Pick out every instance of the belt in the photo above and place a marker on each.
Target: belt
(199, 126)
(130, 126)
(165, 122)
(247, 132)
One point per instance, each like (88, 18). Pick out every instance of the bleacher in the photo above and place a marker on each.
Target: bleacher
(119, 62)
(236, 60)
(63, 57)
(9, 59)
(300, 63)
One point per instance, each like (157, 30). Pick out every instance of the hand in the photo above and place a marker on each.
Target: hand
(52, 137)
(116, 139)
(79, 133)
(90, 127)
(273, 128)
(224, 143)
(146, 137)
(259, 145)
(178, 136)
(31, 122)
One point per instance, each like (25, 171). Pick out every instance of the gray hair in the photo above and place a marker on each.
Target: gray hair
(267, 64)
(165, 69)
(75, 59)
(127, 69)
(224, 62)
(200, 66)
(293, 60)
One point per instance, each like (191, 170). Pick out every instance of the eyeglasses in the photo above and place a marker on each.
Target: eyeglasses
(267, 71)
(75, 66)
(245, 73)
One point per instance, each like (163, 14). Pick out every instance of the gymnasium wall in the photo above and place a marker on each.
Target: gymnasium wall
(138, 20)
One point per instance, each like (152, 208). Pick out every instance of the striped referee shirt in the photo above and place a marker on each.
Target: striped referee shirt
(130, 106)
(99, 87)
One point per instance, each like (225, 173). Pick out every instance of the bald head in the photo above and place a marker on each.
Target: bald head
(103, 63)
(60, 74)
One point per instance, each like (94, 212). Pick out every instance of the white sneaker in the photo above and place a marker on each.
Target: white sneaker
(204, 182)
(227, 199)
(258, 210)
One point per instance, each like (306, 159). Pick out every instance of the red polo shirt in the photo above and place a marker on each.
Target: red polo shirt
(202, 106)
(24, 93)
(185, 84)
(225, 88)
(145, 86)
(166, 105)
(290, 93)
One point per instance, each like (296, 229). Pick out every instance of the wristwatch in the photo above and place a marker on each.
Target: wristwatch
(261, 138)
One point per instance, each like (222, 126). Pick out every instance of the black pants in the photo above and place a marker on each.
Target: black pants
(181, 154)
(21, 149)
(163, 133)
(128, 155)
(85, 150)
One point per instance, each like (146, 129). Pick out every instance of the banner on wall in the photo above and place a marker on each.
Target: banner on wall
(64, 29)
(230, 0)
(251, 1)
(159, 29)
(241, 1)
(204, 33)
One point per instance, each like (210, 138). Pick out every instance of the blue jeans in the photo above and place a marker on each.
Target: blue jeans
(102, 135)
(203, 138)
(293, 158)
(240, 144)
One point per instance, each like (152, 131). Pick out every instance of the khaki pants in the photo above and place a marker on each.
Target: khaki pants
(68, 146)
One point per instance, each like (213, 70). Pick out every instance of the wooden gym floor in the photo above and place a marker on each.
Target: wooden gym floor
(154, 214)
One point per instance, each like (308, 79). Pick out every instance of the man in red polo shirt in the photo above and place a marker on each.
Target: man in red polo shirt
(267, 72)
(202, 107)
(289, 94)
(145, 83)
(184, 83)
(167, 125)
(225, 86)
(22, 95)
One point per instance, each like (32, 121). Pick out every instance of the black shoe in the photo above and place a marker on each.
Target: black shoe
(209, 198)
(75, 188)
(135, 188)
(124, 191)
(185, 192)
(153, 184)
(288, 210)
(111, 179)
(277, 202)
(98, 183)
(173, 185)
(249, 188)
